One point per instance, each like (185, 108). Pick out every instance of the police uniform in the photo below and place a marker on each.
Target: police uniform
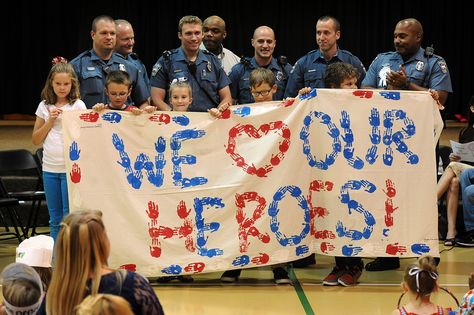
(208, 79)
(240, 85)
(425, 71)
(92, 71)
(310, 70)
(133, 58)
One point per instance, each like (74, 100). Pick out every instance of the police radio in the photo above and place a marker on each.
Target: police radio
(429, 51)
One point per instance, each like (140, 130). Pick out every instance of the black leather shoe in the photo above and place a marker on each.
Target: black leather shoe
(383, 263)
(304, 262)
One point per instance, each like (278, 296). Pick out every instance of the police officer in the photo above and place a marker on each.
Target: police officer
(214, 34)
(264, 43)
(93, 66)
(409, 67)
(188, 63)
(310, 69)
(124, 47)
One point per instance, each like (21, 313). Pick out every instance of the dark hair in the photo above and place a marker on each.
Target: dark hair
(325, 18)
(421, 277)
(99, 18)
(337, 72)
(118, 77)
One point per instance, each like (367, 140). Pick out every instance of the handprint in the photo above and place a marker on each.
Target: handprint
(345, 120)
(129, 267)
(89, 117)
(326, 247)
(391, 191)
(349, 250)
(75, 173)
(388, 156)
(420, 248)
(172, 270)
(74, 151)
(374, 118)
(153, 210)
(117, 142)
(112, 117)
(241, 260)
(181, 120)
(261, 259)
(195, 267)
(301, 250)
(160, 118)
(371, 155)
(363, 94)
(394, 248)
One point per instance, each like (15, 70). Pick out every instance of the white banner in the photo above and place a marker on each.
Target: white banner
(341, 173)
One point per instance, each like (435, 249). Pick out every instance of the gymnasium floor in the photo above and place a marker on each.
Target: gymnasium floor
(256, 294)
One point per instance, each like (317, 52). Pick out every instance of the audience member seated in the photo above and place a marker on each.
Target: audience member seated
(81, 269)
(419, 281)
(22, 290)
(104, 304)
(37, 252)
(467, 193)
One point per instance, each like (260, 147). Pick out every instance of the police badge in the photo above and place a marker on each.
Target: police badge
(279, 76)
(420, 65)
(122, 67)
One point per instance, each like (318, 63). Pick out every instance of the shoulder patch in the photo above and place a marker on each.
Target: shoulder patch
(443, 66)
(157, 67)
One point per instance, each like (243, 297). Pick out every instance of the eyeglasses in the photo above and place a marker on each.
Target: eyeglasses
(121, 94)
(261, 93)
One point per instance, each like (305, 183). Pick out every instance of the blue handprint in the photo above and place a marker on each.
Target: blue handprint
(242, 111)
(301, 250)
(117, 142)
(172, 270)
(124, 160)
(74, 151)
(374, 118)
(349, 250)
(391, 95)
(181, 120)
(420, 248)
(309, 95)
(371, 155)
(345, 120)
(112, 117)
(135, 179)
(388, 156)
(241, 260)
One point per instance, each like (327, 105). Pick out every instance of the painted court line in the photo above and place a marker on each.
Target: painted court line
(300, 292)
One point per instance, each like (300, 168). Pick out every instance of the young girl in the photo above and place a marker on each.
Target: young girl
(82, 251)
(22, 290)
(104, 304)
(419, 282)
(118, 86)
(181, 96)
(60, 93)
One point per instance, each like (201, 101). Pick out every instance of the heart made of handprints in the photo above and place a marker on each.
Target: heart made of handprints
(263, 130)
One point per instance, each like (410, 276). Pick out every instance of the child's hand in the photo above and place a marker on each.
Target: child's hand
(98, 107)
(54, 113)
(471, 281)
(215, 112)
(435, 96)
(136, 111)
(304, 91)
(149, 109)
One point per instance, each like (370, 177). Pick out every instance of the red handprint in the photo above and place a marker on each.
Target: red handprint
(363, 93)
(195, 267)
(160, 118)
(75, 173)
(287, 102)
(325, 247)
(182, 210)
(129, 267)
(389, 206)
(153, 211)
(261, 259)
(388, 220)
(89, 117)
(324, 234)
(319, 212)
(161, 231)
(225, 114)
(391, 191)
(394, 248)
(155, 249)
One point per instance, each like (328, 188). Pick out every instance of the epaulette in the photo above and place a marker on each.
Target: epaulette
(133, 56)
(85, 53)
(246, 61)
(167, 53)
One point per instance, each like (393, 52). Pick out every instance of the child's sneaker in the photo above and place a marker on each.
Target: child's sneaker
(231, 275)
(333, 276)
(280, 275)
(350, 276)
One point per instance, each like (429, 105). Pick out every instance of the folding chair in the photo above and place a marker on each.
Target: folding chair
(9, 204)
(21, 164)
